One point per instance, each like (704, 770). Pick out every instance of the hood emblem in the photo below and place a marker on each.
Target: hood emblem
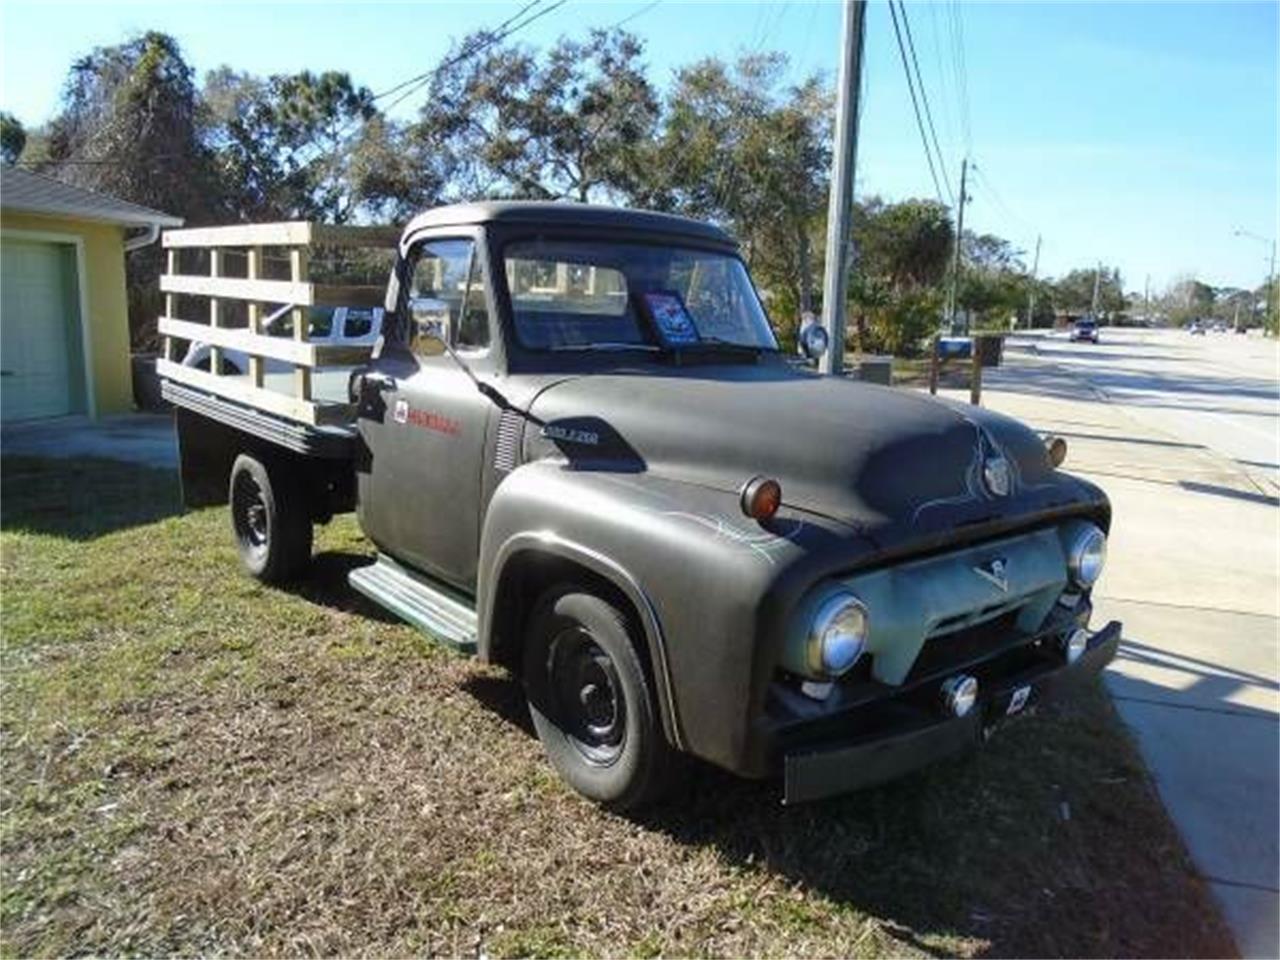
(995, 473)
(996, 572)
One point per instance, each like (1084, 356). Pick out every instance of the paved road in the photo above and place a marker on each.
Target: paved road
(1218, 390)
(1181, 433)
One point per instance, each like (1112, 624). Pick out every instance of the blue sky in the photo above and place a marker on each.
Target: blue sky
(1141, 134)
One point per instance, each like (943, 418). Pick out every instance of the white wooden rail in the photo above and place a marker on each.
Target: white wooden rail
(298, 293)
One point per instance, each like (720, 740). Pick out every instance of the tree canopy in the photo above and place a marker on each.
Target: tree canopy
(738, 143)
(13, 138)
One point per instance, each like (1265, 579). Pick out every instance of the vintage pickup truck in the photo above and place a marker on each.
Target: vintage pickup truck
(581, 454)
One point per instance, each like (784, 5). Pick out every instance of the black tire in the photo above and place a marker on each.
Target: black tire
(592, 703)
(269, 519)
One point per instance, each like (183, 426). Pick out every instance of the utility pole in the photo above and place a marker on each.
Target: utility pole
(1273, 296)
(955, 262)
(1097, 278)
(1031, 293)
(840, 201)
(1271, 288)
(1146, 300)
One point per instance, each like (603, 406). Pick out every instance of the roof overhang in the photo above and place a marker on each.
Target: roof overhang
(69, 211)
(23, 191)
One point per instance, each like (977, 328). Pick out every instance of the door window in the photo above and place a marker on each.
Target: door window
(473, 329)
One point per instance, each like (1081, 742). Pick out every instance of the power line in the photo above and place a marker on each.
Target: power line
(944, 101)
(924, 97)
(962, 72)
(1008, 211)
(627, 19)
(911, 86)
(486, 39)
(411, 86)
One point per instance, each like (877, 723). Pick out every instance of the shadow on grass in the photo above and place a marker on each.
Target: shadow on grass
(325, 584)
(503, 696)
(1048, 841)
(85, 498)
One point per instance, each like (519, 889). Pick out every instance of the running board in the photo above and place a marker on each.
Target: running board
(431, 608)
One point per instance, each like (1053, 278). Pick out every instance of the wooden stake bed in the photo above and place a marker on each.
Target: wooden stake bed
(297, 293)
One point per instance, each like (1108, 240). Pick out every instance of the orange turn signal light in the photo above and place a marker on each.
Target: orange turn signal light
(761, 497)
(1057, 447)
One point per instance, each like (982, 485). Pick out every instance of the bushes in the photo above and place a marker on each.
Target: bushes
(897, 324)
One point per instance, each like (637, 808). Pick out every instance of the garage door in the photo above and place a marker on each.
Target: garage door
(41, 370)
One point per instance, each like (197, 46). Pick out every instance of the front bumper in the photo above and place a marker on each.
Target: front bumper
(921, 737)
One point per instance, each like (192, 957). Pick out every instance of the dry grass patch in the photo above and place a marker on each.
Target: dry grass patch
(196, 764)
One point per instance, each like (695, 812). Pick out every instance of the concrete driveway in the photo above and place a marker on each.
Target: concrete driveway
(1193, 573)
(143, 438)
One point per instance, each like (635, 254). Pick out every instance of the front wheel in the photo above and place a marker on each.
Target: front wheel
(591, 702)
(269, 519)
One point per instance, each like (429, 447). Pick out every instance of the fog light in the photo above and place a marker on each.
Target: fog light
(1074, 644)
(817, 689)
(959, 694)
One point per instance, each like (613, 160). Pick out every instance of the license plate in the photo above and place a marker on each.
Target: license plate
(1018, 700)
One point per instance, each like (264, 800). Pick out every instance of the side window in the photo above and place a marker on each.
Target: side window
(359, 323)
(438, 286)
(473, 330)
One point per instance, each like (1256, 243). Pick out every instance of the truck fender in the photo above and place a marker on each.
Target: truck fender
(533, 544)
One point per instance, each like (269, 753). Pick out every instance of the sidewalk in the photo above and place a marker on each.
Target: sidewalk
(1192, 573)
(145, 438)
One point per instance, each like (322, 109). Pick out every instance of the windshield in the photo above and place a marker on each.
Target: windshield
(572, 295)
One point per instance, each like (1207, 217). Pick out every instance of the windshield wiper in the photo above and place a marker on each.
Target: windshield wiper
(721, 342)
(578, 347)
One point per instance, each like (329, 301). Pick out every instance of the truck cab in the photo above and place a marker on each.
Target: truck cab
(581, 454)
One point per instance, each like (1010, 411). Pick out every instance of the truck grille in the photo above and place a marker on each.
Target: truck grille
(971, 618)
(946, 653)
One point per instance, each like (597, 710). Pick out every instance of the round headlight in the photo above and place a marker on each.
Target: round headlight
(838, 635)
(1087, 555)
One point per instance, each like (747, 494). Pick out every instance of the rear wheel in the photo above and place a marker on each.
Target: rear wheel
(269, 519)
(591, 701)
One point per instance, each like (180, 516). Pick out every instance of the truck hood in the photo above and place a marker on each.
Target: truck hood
(894, 464)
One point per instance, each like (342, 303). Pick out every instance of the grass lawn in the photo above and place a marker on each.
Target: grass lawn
(196, 764)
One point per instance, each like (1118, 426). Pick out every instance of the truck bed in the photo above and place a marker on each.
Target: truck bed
(327, 442)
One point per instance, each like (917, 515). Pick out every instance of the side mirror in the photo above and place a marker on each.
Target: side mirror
(814, 340)
(430, 319)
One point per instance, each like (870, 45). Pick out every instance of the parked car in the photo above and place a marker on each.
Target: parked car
(1085, 329)
(330, 326)
(1219, 327)
(581, 455)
